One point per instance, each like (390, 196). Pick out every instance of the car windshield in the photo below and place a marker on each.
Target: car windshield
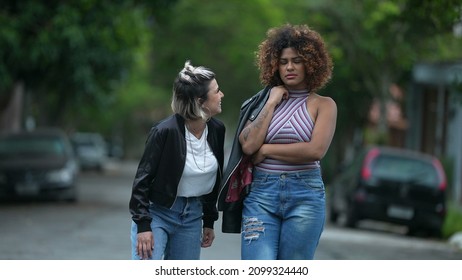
(85, 142)
(405, 169)
(88, 141)
(31, 146)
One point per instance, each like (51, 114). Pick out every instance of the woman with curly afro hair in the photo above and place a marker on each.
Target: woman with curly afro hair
(283, 214)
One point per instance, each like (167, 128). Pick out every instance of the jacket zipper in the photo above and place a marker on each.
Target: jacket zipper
(230, 174)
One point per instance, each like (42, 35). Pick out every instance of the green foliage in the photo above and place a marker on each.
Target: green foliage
(448, 167)
(222, 35)
(453, 221)
(68, 54)
(376, 44)
(109, 65)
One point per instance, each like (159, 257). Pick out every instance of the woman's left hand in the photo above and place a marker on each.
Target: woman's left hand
(208, 235)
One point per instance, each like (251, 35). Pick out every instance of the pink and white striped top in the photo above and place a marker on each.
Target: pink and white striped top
(291, 123)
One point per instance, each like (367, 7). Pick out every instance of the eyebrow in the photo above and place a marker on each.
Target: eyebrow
(287, 58)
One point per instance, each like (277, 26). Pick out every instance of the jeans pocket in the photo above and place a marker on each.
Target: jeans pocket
(315, 184)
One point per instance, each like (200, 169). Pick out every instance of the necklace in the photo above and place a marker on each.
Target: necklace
(188, 138)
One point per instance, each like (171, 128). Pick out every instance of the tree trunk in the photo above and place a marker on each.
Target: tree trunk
(11, 117)
(383, 100)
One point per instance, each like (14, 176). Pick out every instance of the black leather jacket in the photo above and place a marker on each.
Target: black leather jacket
(161, 167)
(232, 211)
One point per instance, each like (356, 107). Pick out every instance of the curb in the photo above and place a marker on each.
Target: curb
(456, 240)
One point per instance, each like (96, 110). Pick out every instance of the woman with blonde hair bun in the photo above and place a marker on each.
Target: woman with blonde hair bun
(174, 193)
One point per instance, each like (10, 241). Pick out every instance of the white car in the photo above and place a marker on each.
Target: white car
(91, 150)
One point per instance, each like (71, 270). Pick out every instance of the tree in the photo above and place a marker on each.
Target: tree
(222, 35)
(68, 55)
(381, 40)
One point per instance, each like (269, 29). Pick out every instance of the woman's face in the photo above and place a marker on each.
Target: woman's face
(292, 69)
(213, 103)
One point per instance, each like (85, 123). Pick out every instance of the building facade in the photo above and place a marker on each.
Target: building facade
(434, 113)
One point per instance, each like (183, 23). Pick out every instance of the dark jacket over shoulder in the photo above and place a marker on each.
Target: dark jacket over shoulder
(232, 211)
(161, 167)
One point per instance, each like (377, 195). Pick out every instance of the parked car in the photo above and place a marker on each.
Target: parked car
(91, 150)
(38, 164)
(391, 185)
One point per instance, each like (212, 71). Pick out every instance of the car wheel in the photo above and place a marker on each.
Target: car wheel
(436, 233)
(424, 232)
(71, 199)
(100, 168)
(333, 215)
(416, 231)
(71, 196)
(351, 217)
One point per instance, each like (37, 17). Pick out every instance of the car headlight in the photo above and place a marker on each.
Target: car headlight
(64, 175)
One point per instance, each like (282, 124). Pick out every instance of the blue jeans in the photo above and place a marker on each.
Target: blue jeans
(177, 231)
(283, 216)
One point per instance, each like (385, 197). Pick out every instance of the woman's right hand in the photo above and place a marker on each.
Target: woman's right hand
(254, 133)
(277, 94)
(145, 244)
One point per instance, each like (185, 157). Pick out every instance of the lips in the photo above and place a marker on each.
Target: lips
(291, 76)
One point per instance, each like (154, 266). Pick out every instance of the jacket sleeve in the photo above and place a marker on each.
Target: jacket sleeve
(145, 174)
(232, 211)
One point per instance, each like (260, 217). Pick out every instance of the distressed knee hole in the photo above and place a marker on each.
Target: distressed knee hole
(253, 227)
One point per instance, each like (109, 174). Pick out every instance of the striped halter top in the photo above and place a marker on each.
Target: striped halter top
(291, 123)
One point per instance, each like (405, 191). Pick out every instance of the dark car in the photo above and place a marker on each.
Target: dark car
(391, 185)
(37, 164)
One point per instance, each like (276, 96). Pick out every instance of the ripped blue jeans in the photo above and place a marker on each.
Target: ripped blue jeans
(283, 216)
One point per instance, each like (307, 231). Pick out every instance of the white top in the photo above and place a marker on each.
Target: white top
(200, 169)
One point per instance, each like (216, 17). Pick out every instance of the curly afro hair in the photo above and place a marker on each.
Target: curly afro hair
(307, 42)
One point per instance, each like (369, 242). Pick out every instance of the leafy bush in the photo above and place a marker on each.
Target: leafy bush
(453, 222)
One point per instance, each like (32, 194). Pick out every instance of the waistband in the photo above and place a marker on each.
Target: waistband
(309, 173)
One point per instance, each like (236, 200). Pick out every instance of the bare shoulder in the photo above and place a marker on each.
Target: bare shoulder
(318, 104)
(323, 102)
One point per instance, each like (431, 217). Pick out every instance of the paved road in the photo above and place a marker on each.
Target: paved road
(97, 228)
